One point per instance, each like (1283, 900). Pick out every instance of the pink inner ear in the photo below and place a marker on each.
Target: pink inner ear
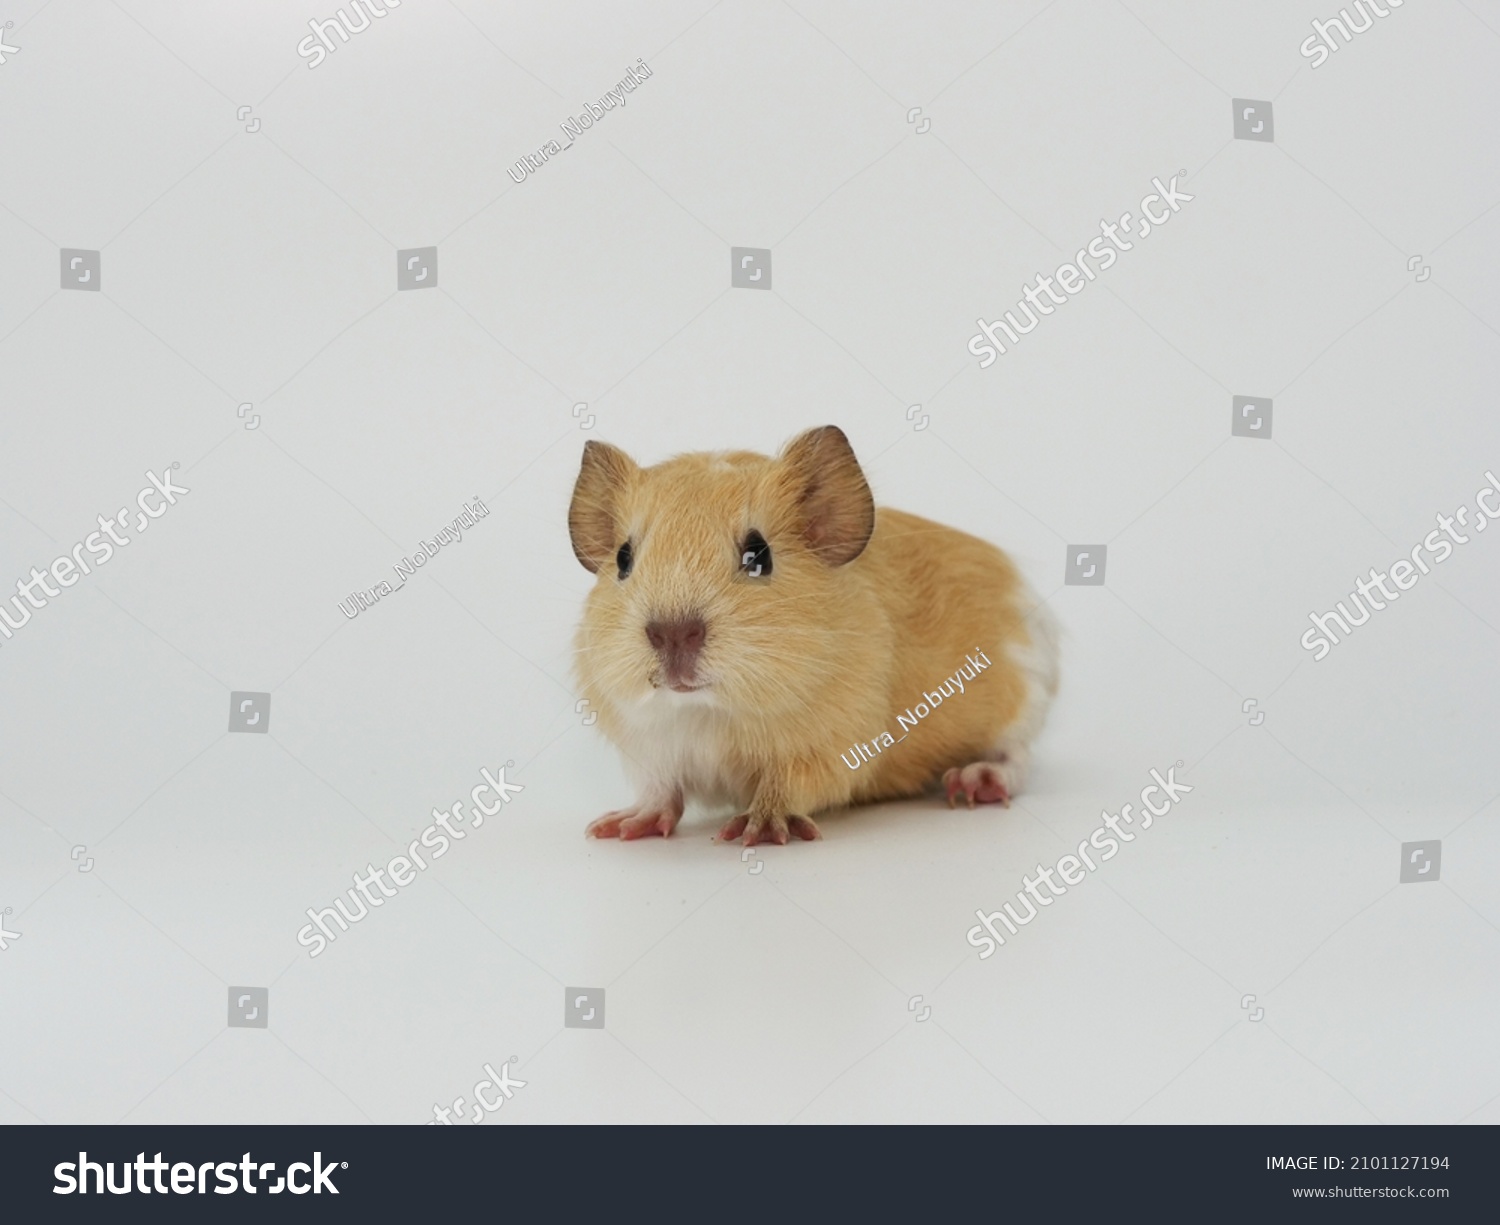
(816, 514)
(834, 501)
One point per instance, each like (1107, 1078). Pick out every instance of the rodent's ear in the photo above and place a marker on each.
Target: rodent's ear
(593, 514)
(836, 508)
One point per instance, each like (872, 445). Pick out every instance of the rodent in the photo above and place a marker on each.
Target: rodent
(756, 621)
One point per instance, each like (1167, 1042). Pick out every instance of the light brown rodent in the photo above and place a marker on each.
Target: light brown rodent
(760, 635)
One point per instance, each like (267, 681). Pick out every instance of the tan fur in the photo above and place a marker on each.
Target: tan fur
(808, 661)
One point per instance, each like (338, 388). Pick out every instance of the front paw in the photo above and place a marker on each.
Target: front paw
(775, 829)
(644, 821)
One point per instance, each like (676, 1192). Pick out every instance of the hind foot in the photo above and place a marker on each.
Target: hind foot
(982, 782)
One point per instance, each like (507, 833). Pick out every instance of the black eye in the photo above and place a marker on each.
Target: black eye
(625, 559)
(755, 555)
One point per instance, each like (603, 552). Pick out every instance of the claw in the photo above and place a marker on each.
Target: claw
(981, 781)
(628, 824)
(777, 830)
(805, 828)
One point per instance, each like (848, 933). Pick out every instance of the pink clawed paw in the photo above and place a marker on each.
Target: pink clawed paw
(628, 824)
(778, 830)
(981, 782)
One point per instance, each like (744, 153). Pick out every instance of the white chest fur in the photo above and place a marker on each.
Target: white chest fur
(674, 740)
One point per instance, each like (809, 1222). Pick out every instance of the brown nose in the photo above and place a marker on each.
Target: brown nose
(678, 643)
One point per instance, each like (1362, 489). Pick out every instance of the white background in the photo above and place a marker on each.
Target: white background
(259, 267)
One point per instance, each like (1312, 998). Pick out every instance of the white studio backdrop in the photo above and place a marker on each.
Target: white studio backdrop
(314, 295)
